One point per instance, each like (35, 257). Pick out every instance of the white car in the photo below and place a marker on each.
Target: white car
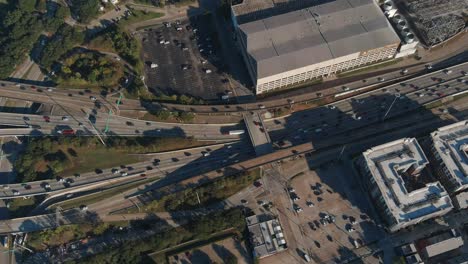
(310, 204)
(83, 207)
(92, 98)
(65, 118)
(115, 171)
(16, 192)
(124, 174)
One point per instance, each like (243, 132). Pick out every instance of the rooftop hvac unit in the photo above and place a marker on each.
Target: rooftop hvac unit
(405, 31)
(410, 38)
(388, 5)
(401, 24)
(397, 18)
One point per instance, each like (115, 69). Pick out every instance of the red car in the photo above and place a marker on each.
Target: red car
(46, 118)
(33, 87)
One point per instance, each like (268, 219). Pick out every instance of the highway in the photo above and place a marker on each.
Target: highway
(89, 124)
(169, 163)
(356, 142)
(78, 98)
(369, 108)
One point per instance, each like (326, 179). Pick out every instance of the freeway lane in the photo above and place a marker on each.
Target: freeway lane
(79, 98)
(363, 110)
(357, 144)
(220, 156)
(117, 126)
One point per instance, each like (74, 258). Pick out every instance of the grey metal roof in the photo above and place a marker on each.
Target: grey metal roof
(315, 34)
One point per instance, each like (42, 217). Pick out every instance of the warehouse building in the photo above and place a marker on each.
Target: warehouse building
(401, 184)
(286, 42)
(450, 156)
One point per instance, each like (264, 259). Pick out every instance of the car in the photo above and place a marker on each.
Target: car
(65, 118)
(142, 175)
(205, 154)
(295, 198)
(83, 207)
(291, 189)
(404, 71)
(25, 118)
(310, 204)
(69, 180)
(257, 184)
(149, 168)
(93, 98)
(46, 118)
(261, 106)
(350, 229)
(46, 185)
(345, 88)
(381, 79)
(80, 124)
(124, 173)
(27, 187)
(128, 123)
(243, 201)
(77, 175)
(6, 187)
(15, 192)
(33, 87)
(298, 209)
(49, 89)
(115, 171)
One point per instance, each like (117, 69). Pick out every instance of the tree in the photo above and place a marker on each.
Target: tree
(63, 41)
(27, 5)
(19, 29)
(85, 10)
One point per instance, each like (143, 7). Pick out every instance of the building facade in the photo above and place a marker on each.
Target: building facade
(296, 41)
(400, 184)
(449, 155)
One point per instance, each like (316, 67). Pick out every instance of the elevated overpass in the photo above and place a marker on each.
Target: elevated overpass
(258, 133)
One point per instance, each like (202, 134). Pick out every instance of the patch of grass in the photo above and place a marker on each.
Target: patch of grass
(159, 257)
(138, 16)
(368, 68)
(207, 193)
(101, 43)
(40, 240)
(20, 207)
(181, 3)
(46, 157)
(88, 159)
(96, 197)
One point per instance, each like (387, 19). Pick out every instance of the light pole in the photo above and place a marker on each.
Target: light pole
(106, 129)
(397, 95)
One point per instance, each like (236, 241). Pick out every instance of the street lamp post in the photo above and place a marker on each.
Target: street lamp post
(397, 95)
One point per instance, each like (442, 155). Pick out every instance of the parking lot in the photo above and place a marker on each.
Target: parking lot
(327, 215)
(183, 57)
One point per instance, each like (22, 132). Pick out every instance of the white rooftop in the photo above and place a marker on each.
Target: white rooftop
(451, 143)
(396, 168)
